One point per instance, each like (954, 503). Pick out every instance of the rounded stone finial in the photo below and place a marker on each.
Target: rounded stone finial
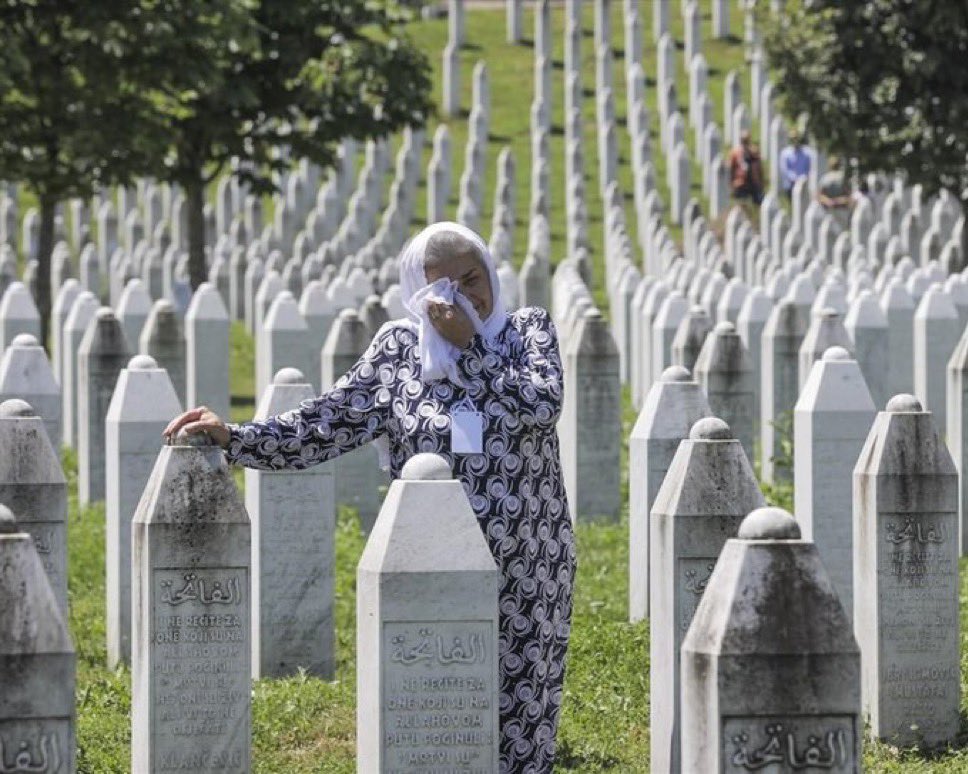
(142, 363)
(289, 376)
(16, 408)
(24, 340)
(725, 326)
(769, 524)
(8, 522)
(710, 429)
(836, 353)
(904, 404)
(348, 313)
(426, 467)
(192, 439)
(697, 311)
(829, 312)
(104, 313)
(592, 313)
(676, 373)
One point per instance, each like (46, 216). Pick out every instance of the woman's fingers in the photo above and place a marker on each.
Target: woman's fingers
(178, 422)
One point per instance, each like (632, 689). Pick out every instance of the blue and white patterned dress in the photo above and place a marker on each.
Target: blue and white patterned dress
(515, 488)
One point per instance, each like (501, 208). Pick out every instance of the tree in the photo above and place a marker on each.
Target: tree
(884, 82)
(233, 80)
(70, 121)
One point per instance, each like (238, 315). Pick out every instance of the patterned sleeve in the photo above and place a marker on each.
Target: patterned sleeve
(353, 412)
(528, 382)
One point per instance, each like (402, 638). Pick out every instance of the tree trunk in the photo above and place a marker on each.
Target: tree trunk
(45, 246)
(195, 201)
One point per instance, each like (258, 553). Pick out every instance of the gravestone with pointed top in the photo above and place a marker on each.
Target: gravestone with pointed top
(103, 353)
(163, 338)
(725, 371)
(771, 671)
(18, 314)
(293, 522)
(282, 341)
(25, 373)
(357, 474)
(689, 338)
(590, 425)
(207, 351)
(708, 491)
(906, 578)
(957, 430)
(427, 629)
(191, 609)
(936, 334)
(898, 307)
(37, 661)
(32, 483)
(673, 404)
(826, 330)
(831, 421)
(75, 326)
(63, 303)
(134, 307)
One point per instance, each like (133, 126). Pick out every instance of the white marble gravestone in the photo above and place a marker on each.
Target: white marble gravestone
(830, 424)
(18, 314)
(906, 586)
(103, 353)
(190, 643)
(143, 403)
(37, 662)
(82, 312)
(427, 631)
(32, 484)
(293, 520)
(163, 338)
(770, 667)
(936, 334)
(591, 423)
(207, 351)
(26, 373)
(708, 491)
(671, 407)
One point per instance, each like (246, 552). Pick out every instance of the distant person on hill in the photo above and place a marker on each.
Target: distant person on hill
(795, 161)
(834, 192)
(746, 170)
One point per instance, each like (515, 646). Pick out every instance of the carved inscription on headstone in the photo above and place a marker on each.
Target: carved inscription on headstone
(200, 633)
(437, 692)
(35, 746)
(916, 573)
(789, 743)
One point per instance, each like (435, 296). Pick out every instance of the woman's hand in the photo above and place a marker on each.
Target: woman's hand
(199, 420)
(452, 323)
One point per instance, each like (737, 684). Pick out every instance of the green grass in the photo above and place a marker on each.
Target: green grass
(307, 725)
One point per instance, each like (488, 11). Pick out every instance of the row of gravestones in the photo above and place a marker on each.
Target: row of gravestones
(427, 687)
(878, 497)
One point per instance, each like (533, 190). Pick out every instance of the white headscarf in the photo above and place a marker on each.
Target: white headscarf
(438, 356)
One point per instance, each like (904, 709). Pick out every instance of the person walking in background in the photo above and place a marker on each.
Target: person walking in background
(746, 170)
(795, 162)
(834, 193)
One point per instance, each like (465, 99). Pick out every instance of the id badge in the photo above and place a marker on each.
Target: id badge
(466, 430)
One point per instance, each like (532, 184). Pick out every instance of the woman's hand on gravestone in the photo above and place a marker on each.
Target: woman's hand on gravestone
(199, 420)
(452, 323)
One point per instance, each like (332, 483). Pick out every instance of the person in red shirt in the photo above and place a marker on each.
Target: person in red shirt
(746, 170)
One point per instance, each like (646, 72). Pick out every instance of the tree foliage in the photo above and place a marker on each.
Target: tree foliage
(884, 82)
(70, 119)
(235, 80)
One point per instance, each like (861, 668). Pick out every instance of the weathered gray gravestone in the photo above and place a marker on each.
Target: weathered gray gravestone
(671, 407)
(37, 662)
(770, 668)
(867, 327)
(830, 424)
(18, 314)
(427, 631)
(32, 483)
(826, 330)
(690, 336)
(936, 334)
(591, 422)
(207, 351)
(162, 338)
(75, 326)
(282, 341)
(143, 403)
(708, 491)
(357, 473)
(725, 371)
(190, 646)
(25, 373)
(906, 578)
(104, 352)
(898, 308)
(293, 520)
(63, 303)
